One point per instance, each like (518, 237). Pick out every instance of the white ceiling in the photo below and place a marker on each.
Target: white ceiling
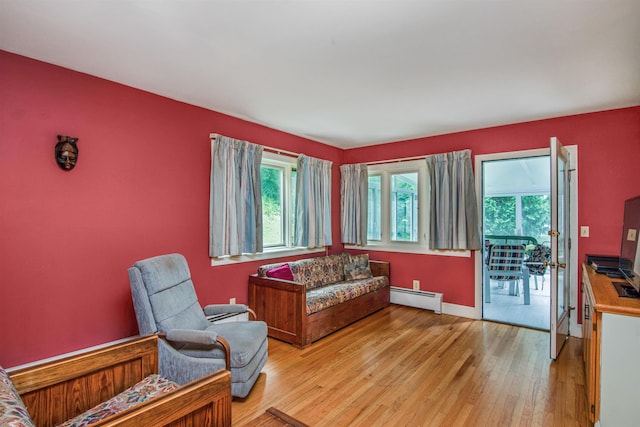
(523, 176)
(349, 72)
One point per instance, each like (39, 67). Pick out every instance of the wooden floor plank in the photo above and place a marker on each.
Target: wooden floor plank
(404, 366)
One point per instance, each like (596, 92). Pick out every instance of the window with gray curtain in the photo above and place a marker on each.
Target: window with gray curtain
(453, 208)
(235, 204)
(353, 203)
(313, 202)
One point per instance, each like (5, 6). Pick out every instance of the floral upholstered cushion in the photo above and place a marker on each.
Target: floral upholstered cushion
(12, 410)
(327, 296)
(357, 267)
(152, 386)
(537, 258)
(319, 271)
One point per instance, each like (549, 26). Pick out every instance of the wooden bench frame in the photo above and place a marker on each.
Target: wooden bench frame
(57, 390)
(282, 304)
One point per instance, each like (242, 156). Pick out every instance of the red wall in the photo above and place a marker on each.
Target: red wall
(141, 188)
(608, 168)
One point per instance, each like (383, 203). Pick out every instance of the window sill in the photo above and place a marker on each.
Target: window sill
(268, 254)
(413, 249)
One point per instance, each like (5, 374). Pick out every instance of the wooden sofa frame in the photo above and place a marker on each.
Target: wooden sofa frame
(282, 304)
(57, 390)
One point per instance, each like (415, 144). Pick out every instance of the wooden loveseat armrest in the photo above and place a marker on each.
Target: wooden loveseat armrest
(124, 363)
(282, 305)
(278, 284)
(60, 388)
(380, 268)
(203, 402)
(57, 390)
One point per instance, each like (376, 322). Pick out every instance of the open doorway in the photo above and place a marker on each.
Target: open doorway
(516, 220)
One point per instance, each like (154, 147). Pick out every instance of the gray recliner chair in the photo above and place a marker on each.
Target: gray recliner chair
(165, 303)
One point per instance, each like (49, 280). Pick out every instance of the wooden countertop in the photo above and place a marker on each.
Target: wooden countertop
(605, 297)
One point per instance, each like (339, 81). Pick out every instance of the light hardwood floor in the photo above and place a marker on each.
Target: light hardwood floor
(409, 367)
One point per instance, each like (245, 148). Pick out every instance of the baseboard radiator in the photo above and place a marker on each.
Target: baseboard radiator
(418, 299)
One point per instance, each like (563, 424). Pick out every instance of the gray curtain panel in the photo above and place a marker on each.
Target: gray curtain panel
(235, 209)
(453, 203)
(354, 183)
(313, 202)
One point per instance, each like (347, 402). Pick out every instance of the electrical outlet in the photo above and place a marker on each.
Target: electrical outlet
(232, 300)
(416, 285)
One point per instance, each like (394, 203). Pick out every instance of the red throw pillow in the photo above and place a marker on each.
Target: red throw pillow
(282, 272)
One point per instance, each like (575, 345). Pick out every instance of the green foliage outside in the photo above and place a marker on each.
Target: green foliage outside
(271, 181)
(500, 216)
(536, 217)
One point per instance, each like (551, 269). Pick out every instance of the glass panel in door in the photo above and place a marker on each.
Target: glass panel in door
(560, 247)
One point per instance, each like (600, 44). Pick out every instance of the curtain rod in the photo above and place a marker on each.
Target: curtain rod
(403, 159)
(270, 149)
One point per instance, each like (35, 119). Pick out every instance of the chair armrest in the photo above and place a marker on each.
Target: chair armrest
(213, 309)
(192, 336)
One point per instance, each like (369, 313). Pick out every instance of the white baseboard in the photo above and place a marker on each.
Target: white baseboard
(459, 310)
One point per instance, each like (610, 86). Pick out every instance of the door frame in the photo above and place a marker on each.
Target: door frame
(575, 330)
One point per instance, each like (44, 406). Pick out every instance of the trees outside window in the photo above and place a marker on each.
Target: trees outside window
(500, 215)
(278, 179)
(536, 217)
(518, 215)
(272, 205)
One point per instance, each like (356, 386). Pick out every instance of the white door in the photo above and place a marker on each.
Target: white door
(560, 247)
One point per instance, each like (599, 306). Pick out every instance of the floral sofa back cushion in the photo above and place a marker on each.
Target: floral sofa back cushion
(320, 271)
(357, 267)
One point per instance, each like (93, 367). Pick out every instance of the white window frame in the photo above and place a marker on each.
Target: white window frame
(287, 164)
(385, 244)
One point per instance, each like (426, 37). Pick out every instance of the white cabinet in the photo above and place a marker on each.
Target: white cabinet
(611, 331)
(619, 370)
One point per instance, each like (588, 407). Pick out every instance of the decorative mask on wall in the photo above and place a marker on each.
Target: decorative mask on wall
(66, 152)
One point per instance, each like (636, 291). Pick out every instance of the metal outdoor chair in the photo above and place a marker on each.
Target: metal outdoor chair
(505, 263)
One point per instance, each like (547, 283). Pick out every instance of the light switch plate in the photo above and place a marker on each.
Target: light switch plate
(632, 234)
(584, 231)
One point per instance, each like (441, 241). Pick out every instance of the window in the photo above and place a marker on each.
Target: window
(374, 209)
(404, 207)
(273, 211)
(398, 209)
(278, 178)
(397, 193)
